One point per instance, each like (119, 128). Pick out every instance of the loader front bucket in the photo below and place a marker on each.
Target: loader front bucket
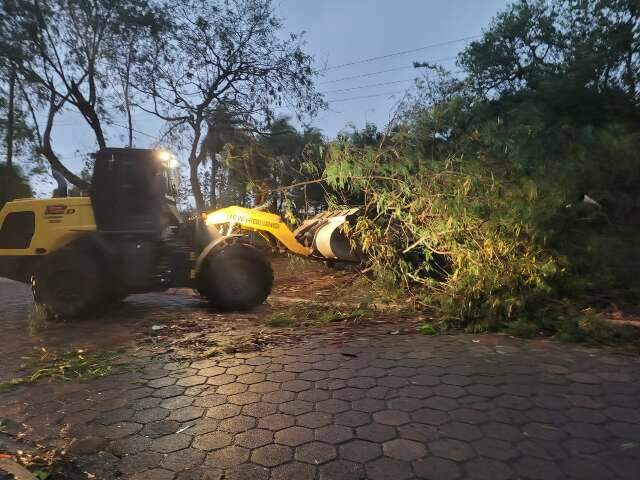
(325, 236)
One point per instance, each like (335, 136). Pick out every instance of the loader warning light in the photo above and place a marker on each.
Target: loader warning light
(55, 210)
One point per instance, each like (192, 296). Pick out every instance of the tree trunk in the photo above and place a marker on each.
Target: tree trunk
(213, 158)
(195, 187)
(47, 151)
(11, 115)
(127, 99)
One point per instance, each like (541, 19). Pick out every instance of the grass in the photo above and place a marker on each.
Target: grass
(76, 364)
(313, 314)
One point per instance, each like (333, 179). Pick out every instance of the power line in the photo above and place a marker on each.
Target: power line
(371, 74)
(403, 52)
(367, 74)
(369, 86)
(75, 124)
(365, 96)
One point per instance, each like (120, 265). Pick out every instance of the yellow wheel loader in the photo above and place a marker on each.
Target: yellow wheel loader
(128, 237)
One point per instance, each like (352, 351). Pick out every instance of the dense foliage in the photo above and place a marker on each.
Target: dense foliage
(521, 181)
(12, 184)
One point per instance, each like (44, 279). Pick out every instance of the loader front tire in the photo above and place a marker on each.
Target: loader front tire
(238, 277)
(68, 282)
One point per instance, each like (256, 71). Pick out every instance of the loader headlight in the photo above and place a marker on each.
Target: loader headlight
(168, 158)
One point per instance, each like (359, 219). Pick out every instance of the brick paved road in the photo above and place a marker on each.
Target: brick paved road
(394, 407)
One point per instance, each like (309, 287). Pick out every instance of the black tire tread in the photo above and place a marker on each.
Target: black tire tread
(84, 266)
(212, 286)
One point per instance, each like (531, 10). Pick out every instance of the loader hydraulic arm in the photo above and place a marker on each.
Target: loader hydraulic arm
(258, 221)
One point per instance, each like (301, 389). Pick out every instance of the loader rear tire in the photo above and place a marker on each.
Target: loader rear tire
(68, 282)
(238, 277)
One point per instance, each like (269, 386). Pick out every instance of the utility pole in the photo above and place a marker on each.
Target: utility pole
(10, 115)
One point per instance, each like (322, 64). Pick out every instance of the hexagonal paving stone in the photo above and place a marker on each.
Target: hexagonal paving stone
(209, 400)
(425, 380)
(264, 387)
(183, 460)
(173, 403)
(170, 443)
(251, 378)
(281, 376)
(115, 416)
(129, 445)
(191, 381)
(341, 470)
(228, 457)
(223, 379)
(254, 438)
(144, 403)
(405, 404)
(538, 469)
(441, 403)
(271, 455)
(296, 407)
(201, 426)
(296, 385)
(360, 451)
(502, 431)
(240, 370)
(278, 397)
(161, 382)
(461, 431)
(168, 392)
(489, 469)
(155, 474)
(333, 434)
(259, 409)
(353, 418)
(451, 449)
(314, 419)
(315, 453)
(494, 448)
(237, 424)
(419, 432)
(244, 398)
(212, 441)
(232, 389)
(314, 395)
(160, 429)
(363, 382)
(332, 406)
(211, 371)
(373, 372)
(376, 432)
(391, 417)
(118, 430)
(294, 471)
(386, 468)
(223, 411)
(140, 462)
(294, 436)
(186, 414)
(276, 421)
(435, 468)
(369, 405)
(349, 394)
(150, 415)
(402, 449)
(469, 415)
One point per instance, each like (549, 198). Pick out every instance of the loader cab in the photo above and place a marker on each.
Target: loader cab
(134, 191)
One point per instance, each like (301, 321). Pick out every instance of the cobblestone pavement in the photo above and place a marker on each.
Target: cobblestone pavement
(384, 407)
